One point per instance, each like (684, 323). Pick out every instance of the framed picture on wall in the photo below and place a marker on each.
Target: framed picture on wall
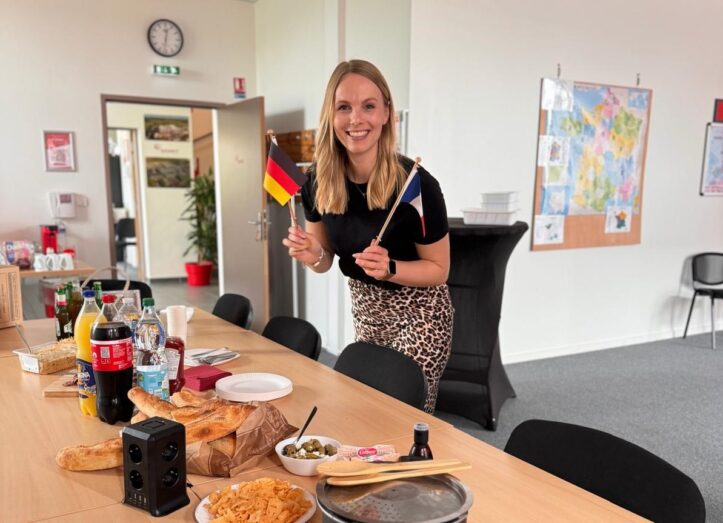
(718, 111)
(59, 149)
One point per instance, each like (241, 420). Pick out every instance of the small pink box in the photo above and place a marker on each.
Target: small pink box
(204, 377)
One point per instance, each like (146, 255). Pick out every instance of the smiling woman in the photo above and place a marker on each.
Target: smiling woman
(399, 296)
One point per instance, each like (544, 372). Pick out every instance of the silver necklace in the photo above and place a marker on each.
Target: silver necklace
(363, 193)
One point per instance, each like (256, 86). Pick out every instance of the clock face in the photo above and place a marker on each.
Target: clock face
(165, 38)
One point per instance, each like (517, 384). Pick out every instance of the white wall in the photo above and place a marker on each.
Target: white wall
(474, 95)
(290, 61)
(379, 31)
(57, 59)
(164, 233)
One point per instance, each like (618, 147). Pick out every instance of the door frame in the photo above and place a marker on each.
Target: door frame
(104, 99)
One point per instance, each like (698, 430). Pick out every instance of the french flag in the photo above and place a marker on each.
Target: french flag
(412, 194)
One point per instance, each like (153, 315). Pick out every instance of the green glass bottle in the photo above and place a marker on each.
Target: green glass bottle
(98, 294)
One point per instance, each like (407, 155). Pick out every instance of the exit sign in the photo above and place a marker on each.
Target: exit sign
(167, 70)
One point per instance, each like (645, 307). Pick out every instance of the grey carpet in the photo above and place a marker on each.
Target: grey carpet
(666, 397)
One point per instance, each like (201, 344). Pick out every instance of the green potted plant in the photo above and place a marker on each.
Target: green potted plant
(201, 213)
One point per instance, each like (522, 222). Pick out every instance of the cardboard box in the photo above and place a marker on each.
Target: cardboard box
(299, 145)
(11, 302)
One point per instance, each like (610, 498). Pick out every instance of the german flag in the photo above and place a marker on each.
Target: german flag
(283, 178)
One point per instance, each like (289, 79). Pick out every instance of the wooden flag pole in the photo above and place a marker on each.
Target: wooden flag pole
(378, 239)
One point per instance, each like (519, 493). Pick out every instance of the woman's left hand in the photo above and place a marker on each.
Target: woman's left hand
(374, 260)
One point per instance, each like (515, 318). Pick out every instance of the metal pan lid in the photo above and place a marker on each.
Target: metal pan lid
(429, 499)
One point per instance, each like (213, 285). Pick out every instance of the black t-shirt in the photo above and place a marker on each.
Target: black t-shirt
(353, 231)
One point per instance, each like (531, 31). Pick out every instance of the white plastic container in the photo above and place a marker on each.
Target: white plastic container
(500, 207)
(500, 197)
(480, 217)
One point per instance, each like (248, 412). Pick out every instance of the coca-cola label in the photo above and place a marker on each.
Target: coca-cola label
(113, 355)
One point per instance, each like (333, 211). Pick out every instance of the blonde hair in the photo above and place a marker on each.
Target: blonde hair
(331, 158)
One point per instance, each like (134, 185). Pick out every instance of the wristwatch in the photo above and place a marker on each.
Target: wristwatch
(391, 270)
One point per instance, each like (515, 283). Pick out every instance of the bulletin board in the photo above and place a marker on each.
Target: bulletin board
(592, 143)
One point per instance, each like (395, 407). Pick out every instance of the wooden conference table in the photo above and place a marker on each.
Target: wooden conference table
(34, 428)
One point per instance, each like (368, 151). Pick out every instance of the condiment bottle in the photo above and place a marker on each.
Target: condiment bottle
(175, 351)
(420, 449)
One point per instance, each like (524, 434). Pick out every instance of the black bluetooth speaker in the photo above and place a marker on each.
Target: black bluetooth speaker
(154, 465)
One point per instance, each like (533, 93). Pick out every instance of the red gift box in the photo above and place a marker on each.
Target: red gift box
(204, 377)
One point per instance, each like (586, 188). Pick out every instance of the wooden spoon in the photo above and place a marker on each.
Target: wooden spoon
(358, 468)
(390, 476)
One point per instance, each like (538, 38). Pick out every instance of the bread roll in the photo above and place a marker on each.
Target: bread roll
(105, 455)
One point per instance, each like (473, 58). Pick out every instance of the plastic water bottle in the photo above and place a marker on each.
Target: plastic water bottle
(129, 314)
(151, 362)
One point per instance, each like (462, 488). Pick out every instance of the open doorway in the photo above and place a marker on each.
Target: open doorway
(155, 152)
(234, 149)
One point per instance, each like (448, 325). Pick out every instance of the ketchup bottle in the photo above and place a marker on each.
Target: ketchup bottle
(175, 351)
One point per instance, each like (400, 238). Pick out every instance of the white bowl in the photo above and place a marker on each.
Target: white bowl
(304, 467)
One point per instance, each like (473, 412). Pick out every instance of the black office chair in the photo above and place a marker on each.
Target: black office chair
(236, 309)
(386, 370)
(707, 270)
(610, 467)
(118, 285)
(297, 334)
(124, 229)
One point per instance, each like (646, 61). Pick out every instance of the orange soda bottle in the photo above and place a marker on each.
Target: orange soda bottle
(84, 358)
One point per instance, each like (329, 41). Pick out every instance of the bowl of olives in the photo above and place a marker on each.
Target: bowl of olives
(303, 457)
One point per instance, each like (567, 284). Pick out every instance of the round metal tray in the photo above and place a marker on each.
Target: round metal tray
(430, 499)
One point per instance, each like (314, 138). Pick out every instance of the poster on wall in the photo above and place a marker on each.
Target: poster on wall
(59, 149)
(168, 172)
(167, 128)
(718, 111)
(591, 147)
(711, 180)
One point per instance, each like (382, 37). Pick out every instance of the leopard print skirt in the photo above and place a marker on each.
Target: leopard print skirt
(416, 321)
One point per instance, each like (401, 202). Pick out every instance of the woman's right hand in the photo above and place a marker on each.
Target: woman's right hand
(303, 246)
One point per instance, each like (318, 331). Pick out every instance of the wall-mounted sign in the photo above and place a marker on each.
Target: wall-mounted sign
(239, 87)
(166, 70)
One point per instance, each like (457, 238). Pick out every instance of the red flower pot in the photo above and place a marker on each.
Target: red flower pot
(199, 274)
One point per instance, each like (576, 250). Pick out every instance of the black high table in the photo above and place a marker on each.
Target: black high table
(475, 384)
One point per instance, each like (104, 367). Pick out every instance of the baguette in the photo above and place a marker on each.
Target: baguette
(219, 423)
(149, 404)
(226, 444)
(105, 455)
(139, 416)
(186, 398)
(215, 421)
(187, 415)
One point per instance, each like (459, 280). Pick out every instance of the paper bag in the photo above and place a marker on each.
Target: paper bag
(255, 438)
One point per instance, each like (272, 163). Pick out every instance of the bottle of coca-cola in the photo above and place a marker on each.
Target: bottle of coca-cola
(112, 348)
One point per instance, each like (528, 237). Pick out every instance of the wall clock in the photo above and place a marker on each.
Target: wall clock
(165, 38)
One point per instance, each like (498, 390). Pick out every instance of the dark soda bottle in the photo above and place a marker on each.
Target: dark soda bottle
(112, 349)
(175, 352)
(420, 449)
